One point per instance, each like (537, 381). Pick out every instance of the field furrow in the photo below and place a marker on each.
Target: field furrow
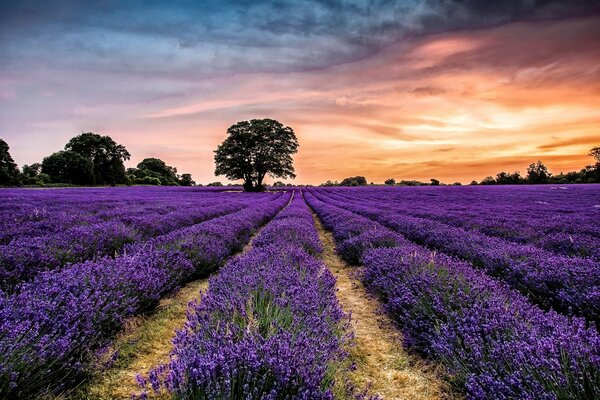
(53, 325)
(568, 285)
(492, 342)
(381, 363)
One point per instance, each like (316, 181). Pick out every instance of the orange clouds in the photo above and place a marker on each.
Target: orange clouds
(453, 106)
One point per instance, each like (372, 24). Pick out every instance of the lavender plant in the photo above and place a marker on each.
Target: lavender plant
(269, 326)
(492, 341)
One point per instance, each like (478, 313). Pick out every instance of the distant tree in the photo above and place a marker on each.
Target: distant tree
(254, 149)
(505, 178)
(575, 176)
(68, 166)
(354, 181)
(31, 171)
(9, 172)
(216, 184)
(106, 156)
(156, 168)
(279, 184)
(148, 180)
(435, 182)
(591, 173)
(329, 183)
(411, 183)
(390, 181)
(31, 174)
(186, 180)
(502, 178)
(595, 152)
(538, 173)
(457, 184)
(516, 178)
(474, 183)
(488, 180)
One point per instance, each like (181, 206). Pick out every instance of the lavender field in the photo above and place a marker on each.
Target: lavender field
(485, 292)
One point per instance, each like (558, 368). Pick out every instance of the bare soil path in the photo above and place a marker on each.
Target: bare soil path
(381, 362)
(145, 343)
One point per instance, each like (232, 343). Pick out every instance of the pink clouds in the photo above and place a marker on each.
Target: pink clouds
(454, 106)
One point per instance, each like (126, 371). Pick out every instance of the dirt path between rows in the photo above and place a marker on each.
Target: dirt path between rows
(145, 342)
(381, 362)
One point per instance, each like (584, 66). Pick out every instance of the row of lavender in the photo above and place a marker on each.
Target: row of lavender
(269, 326)
(570, 285)
(104, 231)
(51, 327)
(492, 341)
(27, 213)
(564, 220)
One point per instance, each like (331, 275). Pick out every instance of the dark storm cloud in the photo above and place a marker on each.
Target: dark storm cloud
(244, 36)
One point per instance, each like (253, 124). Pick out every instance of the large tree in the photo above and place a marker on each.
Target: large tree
(105, 154)
(254, 149)
(67, 166)
(9, 172)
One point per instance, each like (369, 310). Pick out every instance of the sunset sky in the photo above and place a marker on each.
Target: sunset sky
(446, 89)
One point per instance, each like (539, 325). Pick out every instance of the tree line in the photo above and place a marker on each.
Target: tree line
(251, 151)
(537, 173)
(89, 159)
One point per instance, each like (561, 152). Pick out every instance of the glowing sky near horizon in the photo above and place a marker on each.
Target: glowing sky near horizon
(448, 89)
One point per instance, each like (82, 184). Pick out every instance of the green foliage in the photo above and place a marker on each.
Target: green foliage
(9, 172)
(67, 166)
(330, 183)
(215, 184)
(148, 180)
(32, 175)
(30, 172)
(390, 181)
(354, 181)
(254, 149)
(105, 154)
(154, 168)
(186, 180)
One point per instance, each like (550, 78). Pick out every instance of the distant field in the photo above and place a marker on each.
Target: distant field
(488, 292)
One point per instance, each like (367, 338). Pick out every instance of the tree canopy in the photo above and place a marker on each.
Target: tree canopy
(154, 171)
(9, 172)
(595, 152)
(538, 173)
(157, 168)
(354, 181)
(186, 180)
(106, 156)
(68, 166)
(254, 149)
